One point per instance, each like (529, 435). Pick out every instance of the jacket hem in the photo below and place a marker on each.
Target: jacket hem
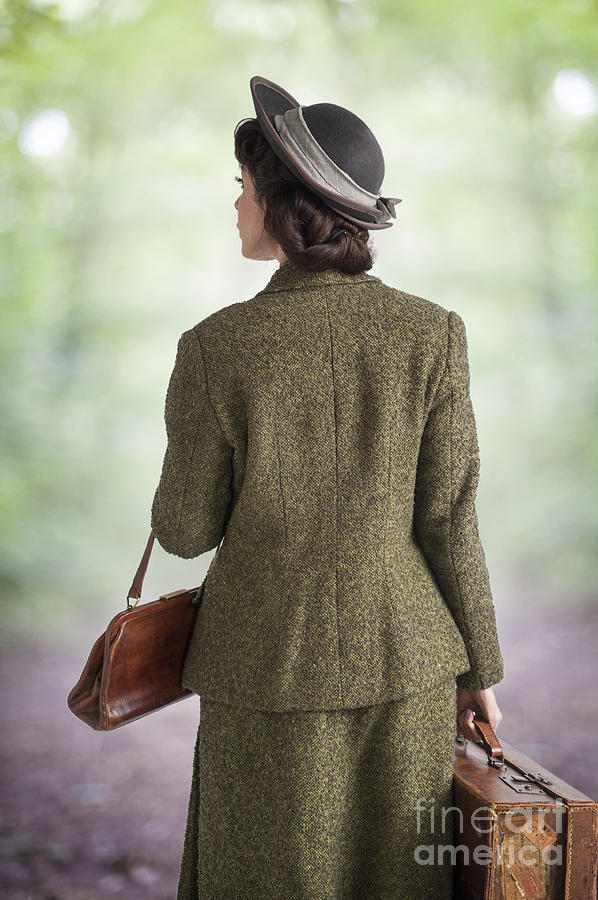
(266, 705)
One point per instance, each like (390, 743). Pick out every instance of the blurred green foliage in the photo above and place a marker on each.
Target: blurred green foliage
(118, 233)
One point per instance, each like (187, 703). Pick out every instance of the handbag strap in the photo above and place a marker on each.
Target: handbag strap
(135, 589)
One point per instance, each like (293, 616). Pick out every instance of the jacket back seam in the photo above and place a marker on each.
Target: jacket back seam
(392, 434)
(340, 679)
(283, 505)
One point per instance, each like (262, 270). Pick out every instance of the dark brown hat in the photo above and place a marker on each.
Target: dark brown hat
(329, 149)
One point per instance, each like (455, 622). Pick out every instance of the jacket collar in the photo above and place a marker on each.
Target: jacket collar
(290, 277)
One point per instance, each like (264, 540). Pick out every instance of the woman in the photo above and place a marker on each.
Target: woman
(321, 434)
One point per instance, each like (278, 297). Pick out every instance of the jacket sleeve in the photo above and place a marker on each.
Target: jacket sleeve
(190, 508)
(445, 518)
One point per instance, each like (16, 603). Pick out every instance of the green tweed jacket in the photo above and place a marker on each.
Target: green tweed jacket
(321, 435)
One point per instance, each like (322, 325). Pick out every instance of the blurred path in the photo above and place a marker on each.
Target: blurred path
(87, 815)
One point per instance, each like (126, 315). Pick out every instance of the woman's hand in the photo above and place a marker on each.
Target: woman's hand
(482, 703)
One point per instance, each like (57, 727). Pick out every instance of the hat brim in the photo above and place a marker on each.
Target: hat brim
(269, 100)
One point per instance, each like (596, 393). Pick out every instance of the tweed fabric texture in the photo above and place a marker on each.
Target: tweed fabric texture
(322, 434)
(316, 805)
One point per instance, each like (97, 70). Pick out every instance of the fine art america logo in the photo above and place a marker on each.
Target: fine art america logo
(525, 836)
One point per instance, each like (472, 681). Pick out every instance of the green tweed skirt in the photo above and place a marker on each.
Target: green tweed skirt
(315, 805)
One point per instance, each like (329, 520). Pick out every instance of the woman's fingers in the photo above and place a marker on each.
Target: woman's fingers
(491, 713)
(494, 718)
(482, 703)
(465, 724)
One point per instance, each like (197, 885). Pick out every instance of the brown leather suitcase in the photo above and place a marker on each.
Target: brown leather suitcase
(520, 832)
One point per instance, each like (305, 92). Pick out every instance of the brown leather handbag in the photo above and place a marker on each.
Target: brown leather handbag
(520, 830)
(135, 666)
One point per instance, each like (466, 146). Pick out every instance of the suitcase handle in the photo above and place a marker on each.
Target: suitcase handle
(490, 742)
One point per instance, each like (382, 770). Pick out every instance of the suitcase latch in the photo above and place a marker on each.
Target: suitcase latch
(526, 784)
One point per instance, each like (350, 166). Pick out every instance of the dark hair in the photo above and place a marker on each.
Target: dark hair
(309, 232)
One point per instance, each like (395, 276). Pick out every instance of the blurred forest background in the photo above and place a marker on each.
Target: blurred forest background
(118, 233)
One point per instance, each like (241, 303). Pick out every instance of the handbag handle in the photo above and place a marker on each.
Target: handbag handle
(135, 589)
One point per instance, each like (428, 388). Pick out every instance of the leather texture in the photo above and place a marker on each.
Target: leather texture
(322, 433)
(540, 842)
(135, 667)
